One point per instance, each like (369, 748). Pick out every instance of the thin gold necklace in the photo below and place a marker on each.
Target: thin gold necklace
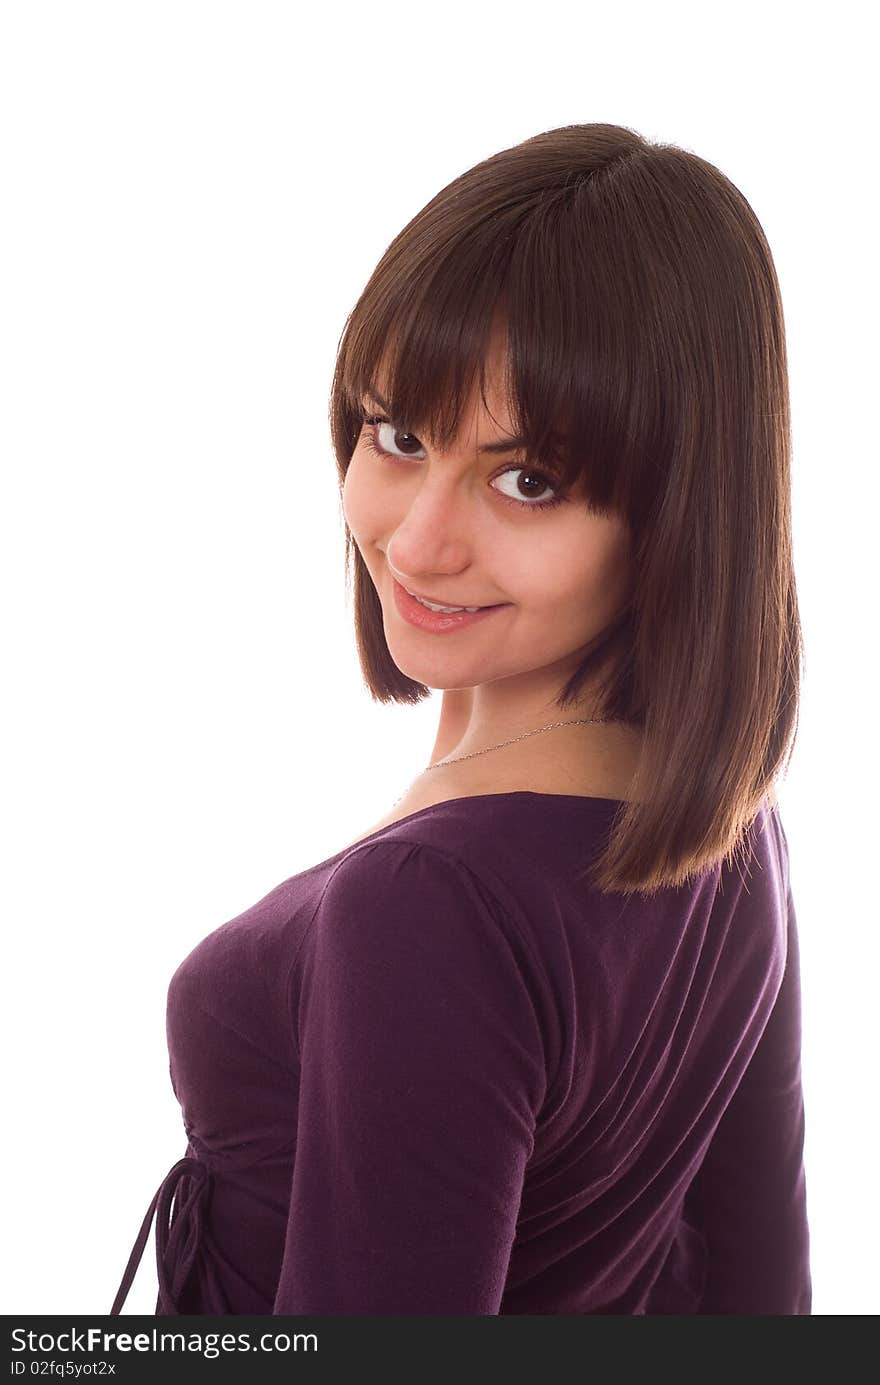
(579, 721)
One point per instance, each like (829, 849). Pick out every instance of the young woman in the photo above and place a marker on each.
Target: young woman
(531, 1044)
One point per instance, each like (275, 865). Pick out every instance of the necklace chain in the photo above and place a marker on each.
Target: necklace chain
(579, 721)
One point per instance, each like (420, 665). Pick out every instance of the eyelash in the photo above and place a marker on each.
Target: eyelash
(372, 422)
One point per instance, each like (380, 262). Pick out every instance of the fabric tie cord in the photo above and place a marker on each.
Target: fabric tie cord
(180, 1200)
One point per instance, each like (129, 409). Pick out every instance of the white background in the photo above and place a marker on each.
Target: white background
(193, 197)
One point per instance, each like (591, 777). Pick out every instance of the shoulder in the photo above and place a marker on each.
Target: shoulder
(405, 927)
(412, 905)
(406, 879)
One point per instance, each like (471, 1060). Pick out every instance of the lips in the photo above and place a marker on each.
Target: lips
(436, 601)
(438, 622)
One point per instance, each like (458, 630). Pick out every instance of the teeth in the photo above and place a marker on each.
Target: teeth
(433, 607)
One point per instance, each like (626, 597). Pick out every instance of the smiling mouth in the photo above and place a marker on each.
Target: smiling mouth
(436, 605)
(426, 617)
(444, 607)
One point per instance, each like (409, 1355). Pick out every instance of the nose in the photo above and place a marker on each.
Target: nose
(434, 533)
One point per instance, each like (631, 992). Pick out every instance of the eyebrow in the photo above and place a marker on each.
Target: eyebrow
(503, 445)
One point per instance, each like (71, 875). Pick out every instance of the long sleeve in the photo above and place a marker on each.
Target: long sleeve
(421, 1075)
(752, 1180)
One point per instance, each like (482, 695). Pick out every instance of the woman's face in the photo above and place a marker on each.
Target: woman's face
(448, 526)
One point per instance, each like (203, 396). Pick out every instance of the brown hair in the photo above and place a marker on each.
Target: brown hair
(645, 350)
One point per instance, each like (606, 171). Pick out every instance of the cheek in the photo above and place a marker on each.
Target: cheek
(583, 580)
(358, 500)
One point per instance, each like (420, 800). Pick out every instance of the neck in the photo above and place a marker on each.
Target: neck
(463, 731)
(595, 760)
(455, 716)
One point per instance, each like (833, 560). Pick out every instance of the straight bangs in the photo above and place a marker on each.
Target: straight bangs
(582, 393)
(632, 294)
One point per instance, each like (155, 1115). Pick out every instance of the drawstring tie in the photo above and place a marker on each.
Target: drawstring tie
(179, 1223)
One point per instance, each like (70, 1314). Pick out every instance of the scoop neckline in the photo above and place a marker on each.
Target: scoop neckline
(466, 798)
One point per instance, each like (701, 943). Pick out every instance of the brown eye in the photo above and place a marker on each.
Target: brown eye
(392, 437)
(386, 437)
(535, 484)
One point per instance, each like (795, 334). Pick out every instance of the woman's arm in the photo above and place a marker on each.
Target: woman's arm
(753, 1186)
(421, 1072)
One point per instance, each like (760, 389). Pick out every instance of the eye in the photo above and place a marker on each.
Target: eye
(389, 436)
(378, 427)
(536, 478)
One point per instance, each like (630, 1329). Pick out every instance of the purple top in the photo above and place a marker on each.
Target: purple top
(435, 1074)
